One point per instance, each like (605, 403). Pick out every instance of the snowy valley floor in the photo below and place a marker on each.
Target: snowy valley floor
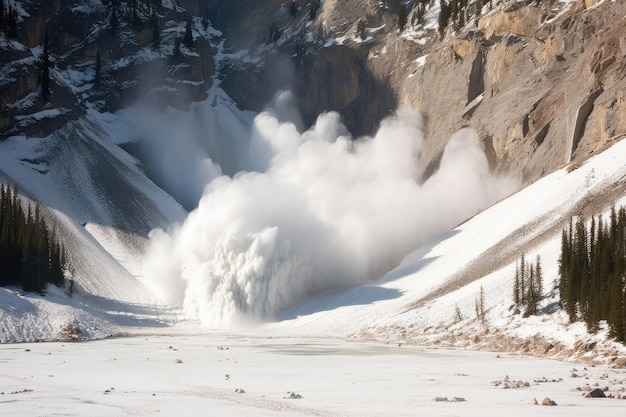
(234, 375)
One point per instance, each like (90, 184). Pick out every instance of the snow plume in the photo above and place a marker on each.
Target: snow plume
(184, 151)
(173, 157)
(325, 212)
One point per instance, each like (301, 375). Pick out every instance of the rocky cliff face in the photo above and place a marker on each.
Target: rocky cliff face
(542, 82)
(133, 63)
(542, 90)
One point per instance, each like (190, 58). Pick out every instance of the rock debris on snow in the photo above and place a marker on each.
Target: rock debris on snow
(548, 401)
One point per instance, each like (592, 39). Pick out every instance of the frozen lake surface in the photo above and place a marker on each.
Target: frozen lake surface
(234, 375)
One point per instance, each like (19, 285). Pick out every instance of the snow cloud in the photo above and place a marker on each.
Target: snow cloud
(320, 212)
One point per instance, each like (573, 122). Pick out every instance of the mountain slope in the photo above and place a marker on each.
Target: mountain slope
(430, 298)
(511, 74)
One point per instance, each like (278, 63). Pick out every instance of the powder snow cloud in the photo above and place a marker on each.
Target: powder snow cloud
(321, 212)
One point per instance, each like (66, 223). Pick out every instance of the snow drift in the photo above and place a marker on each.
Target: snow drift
(321, 212)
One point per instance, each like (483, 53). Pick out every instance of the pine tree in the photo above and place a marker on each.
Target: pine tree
(523, 279)
(479, 305)
(136, 20)
(478, 4)
(454, 10)
(29, 254)
(44, 70)
(539, 278)
(531, 296)
(156, 33)
(3, 28)
(188, 38)
(315, 7)
(293, 9)
(360, 29)
(516, 287)
(402, 16)
(11, 22)
(444, 16)
(113, 21)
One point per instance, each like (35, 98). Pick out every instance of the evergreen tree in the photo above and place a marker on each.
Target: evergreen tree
(136, 21)
(418, 16)
(539, 277)
(402, 16)
(454, 10)
(11, 22)
(478, 4)
(592, 272)
(293, 9)
(44, 70)
(315, 7)
(516, 287)
(30, 256)
(360, 29)
(479, 305)
(156, 33)
(531, 293)
(523, 283)
(188, 38)
(113, 21)
(444, 16)
(3, 27)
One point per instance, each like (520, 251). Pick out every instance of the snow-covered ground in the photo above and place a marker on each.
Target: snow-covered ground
(428, 299)
(203, 375)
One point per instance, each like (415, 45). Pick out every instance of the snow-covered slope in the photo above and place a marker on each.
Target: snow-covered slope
(431, 296)
(102, 206)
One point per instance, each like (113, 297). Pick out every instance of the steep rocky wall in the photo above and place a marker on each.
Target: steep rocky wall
(132, 66)
(542, 82)
(553, 87)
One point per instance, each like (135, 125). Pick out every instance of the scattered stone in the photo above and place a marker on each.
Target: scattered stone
(596, 393)
(449, 399)
(239, 391)
(534, 401)
(548, 401)
(227, 376)
(106, 391)
(292, 396)
(21, 391)
(179, 361)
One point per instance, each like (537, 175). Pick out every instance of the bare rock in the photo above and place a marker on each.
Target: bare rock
(596, 393)
(548, 401)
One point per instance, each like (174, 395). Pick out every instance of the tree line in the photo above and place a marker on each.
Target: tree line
(8, 19)
(592, 271)
(30, 254)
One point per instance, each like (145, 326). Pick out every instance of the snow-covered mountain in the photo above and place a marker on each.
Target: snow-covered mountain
(181, 210)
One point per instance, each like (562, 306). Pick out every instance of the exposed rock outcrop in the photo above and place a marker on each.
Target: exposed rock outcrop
(542, 83)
